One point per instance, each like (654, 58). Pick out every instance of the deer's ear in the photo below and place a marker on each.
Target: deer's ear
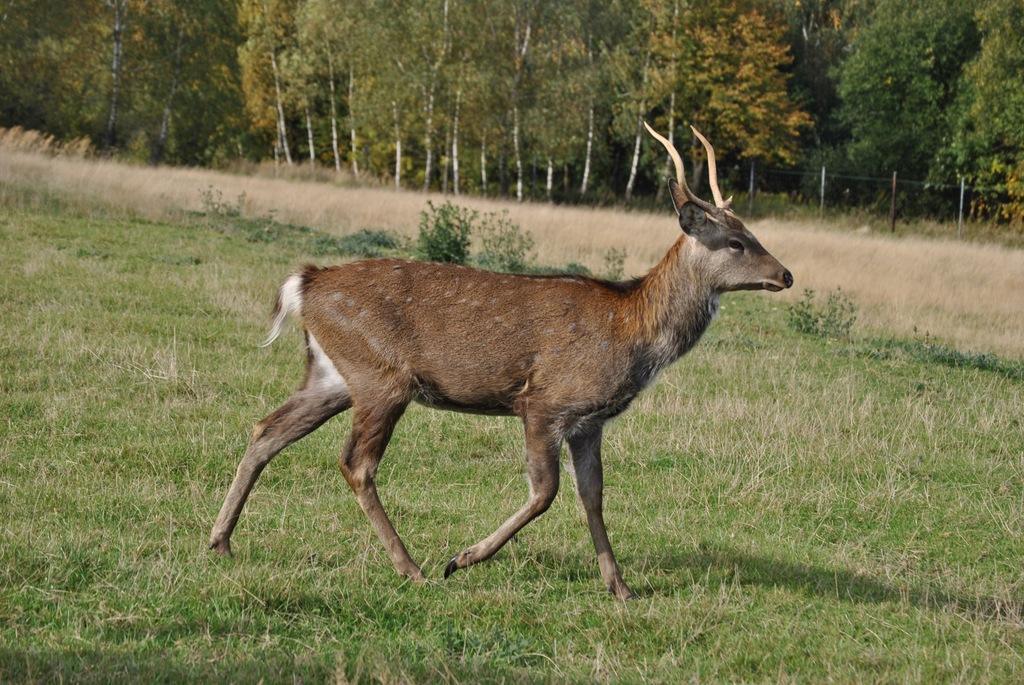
(692, 220)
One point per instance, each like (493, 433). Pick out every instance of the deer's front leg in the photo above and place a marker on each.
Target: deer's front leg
(585, 450)
(542, 450)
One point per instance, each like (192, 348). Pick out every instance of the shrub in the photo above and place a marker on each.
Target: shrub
(614, 264)
(365, 243)
(576, 269)
(505, 247)
(215, 205)
(834, 321)
(444, 233)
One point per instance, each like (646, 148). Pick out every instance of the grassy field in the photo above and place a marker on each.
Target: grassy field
(789, 508)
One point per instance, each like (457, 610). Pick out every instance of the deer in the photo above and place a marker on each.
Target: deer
(563, 353)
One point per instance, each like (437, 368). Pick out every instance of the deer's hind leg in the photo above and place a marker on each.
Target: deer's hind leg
(372, 426)
(323, 395)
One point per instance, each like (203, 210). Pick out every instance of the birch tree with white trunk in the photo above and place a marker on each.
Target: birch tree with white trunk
(119, 10)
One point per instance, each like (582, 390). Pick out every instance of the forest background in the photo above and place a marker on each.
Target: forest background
(541, 99)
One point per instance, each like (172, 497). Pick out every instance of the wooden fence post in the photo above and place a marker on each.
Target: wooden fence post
(960, 218)
(892, 211)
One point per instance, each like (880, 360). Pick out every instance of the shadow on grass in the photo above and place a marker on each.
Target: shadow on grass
(730, 565)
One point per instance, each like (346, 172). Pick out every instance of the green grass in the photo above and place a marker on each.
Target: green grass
(788, 508)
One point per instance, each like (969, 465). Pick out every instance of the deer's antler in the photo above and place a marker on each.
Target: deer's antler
(688, 195)
(712, 171)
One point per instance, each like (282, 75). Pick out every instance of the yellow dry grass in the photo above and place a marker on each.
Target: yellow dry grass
(968, 295)
(23, 140)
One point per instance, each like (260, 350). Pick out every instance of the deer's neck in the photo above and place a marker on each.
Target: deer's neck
(674, 305)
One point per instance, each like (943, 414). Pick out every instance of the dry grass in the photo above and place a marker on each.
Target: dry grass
(22, 140)
(968, 295)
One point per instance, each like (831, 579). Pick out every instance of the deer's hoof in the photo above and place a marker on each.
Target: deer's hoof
(452, 566)
(222, 548)
(623, 592)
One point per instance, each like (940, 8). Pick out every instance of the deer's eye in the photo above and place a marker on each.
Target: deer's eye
(736, 245)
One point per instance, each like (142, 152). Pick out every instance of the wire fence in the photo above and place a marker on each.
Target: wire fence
(892, 197)
(765, 191)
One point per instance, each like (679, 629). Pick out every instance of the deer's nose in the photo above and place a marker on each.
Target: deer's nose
(787, 278)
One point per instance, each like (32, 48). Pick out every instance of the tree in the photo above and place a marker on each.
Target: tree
(635, 63)
(424, 29)
(322, 27)
(178, 40)
(187, 108)
(673, 50)
(988, 146)
(562, 85)
(119, 21)
(269, 30)
(520, 17)
(737, 89)
(54, 85)
(900, 80)
(819, 33)
(556, 119)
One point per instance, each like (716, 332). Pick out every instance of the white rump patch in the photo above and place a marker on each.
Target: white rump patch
(324, 370)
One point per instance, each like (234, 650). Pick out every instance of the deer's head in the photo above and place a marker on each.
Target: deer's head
(728, 254)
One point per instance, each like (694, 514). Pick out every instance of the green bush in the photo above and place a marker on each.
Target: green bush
(444, 233)
(576, 269)
(614, 264)
(214, 203)
(833, 321)
(505, 247)
(365, 243)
